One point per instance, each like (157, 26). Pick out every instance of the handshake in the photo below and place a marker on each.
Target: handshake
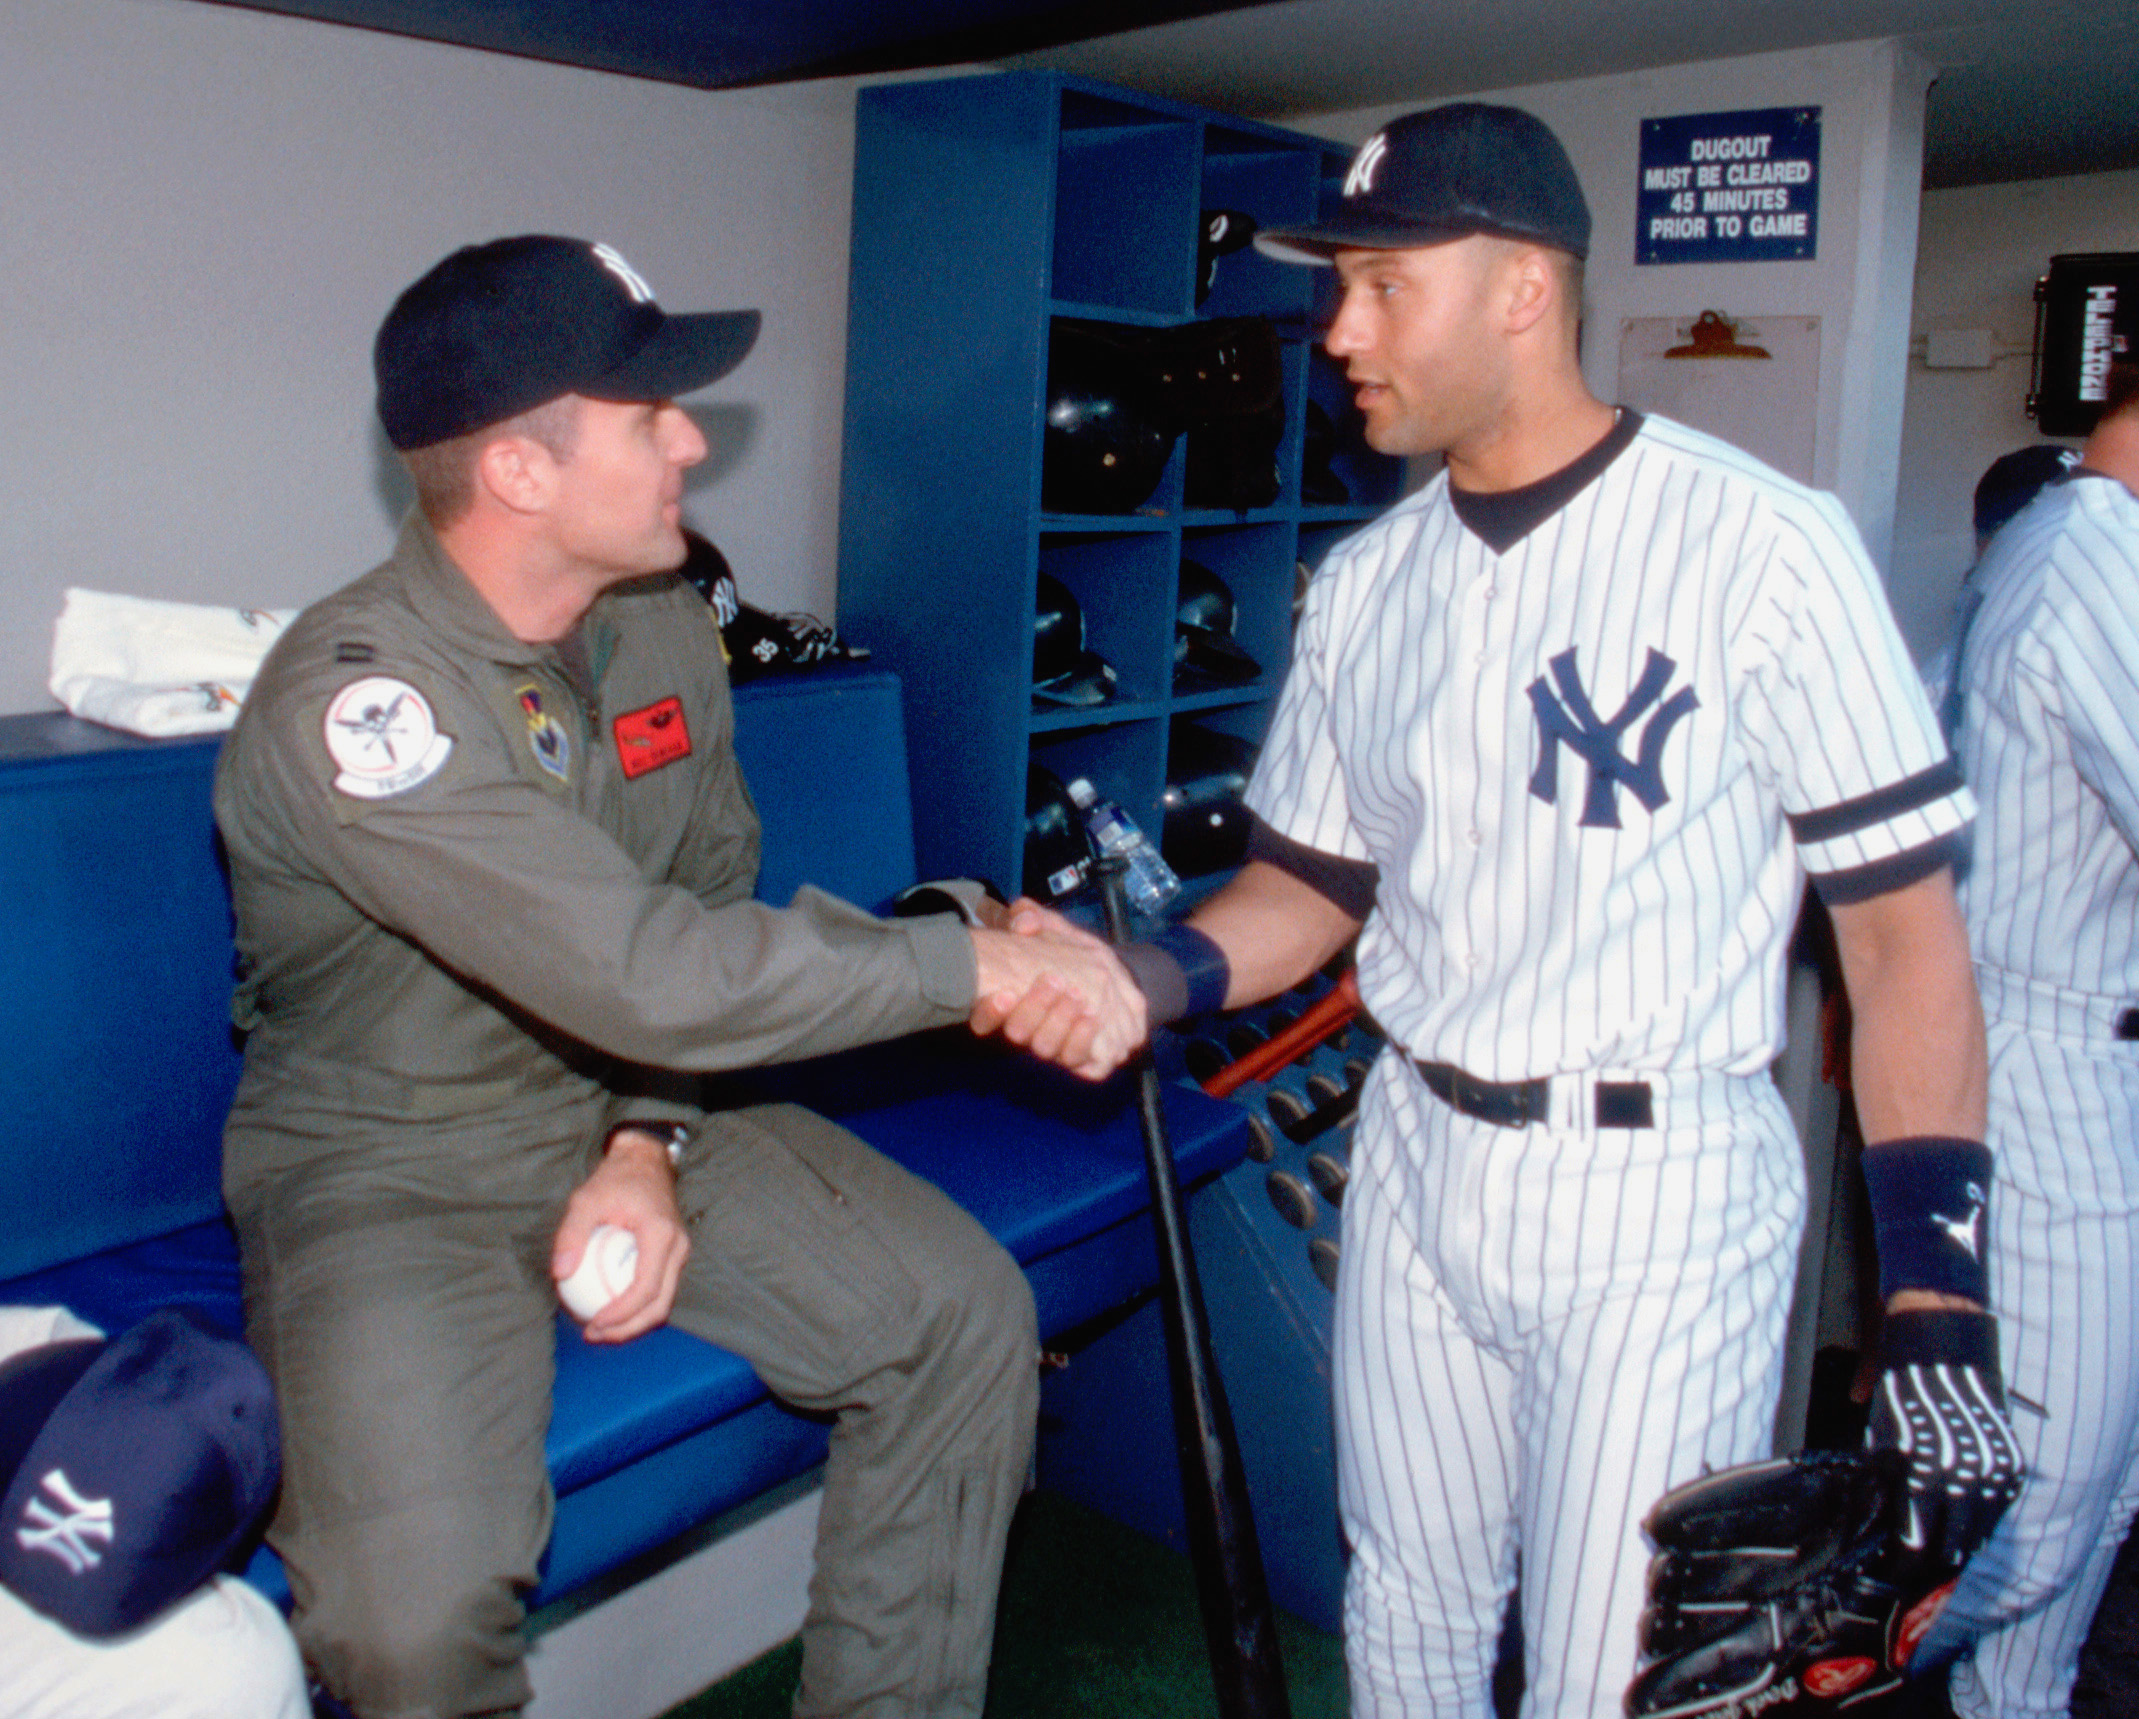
(1043, 983)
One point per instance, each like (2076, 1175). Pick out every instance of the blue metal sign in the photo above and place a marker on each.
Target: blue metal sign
(1730, 187)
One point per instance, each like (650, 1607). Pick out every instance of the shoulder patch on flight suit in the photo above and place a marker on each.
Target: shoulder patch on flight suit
(546, 736)
(648, 738)
(382, 735)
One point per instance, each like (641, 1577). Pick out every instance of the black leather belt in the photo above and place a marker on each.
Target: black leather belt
(1518, 1103)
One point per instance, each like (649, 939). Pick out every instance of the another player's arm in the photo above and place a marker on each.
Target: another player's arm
(1918, 1066)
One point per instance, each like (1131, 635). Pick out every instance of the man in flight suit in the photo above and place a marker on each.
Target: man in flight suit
(492, 860)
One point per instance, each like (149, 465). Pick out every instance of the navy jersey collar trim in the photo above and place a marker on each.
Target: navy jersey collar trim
(1503, 518)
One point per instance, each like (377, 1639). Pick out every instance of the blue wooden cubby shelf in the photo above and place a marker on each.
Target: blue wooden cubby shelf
(985, 208)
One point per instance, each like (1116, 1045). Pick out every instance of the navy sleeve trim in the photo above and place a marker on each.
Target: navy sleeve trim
(1347, 884)
(1882, 877)
(1912, 794)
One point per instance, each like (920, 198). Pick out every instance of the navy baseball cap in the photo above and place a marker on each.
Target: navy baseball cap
(1446, 173)
(2013, 480)
(495, 330)
(134, 1470)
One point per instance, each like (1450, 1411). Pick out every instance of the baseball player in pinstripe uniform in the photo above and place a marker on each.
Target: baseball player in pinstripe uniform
(2049, 705)
(1564, 732)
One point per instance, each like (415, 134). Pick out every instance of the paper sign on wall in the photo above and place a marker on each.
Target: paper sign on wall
(1730, 187)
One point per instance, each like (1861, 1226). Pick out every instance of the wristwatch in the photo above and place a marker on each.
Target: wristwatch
(672, 1136)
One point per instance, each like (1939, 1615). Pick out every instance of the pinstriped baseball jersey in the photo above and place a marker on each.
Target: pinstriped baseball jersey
(2049, 682)
(2051, 745)
(1595, 764)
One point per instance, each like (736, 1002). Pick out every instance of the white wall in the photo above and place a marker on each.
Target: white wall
(1871, 97)
(204, 212)
(1982, 249)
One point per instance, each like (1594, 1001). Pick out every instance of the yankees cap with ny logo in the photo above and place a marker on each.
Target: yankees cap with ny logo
(1446, 173)
(498, 329)
(133, 1469)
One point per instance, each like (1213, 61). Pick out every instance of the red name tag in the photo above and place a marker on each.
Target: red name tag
(647, 739)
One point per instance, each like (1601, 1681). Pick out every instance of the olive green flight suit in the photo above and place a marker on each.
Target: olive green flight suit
(492, 899)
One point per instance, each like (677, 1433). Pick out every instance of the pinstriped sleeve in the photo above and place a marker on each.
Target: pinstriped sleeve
(1873, 798)
(2093, 632)
(1298, 785)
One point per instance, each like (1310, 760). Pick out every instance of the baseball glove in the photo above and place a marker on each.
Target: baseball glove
(1784, 1587)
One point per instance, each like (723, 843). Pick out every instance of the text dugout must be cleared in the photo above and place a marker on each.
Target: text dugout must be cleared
(1729, 185)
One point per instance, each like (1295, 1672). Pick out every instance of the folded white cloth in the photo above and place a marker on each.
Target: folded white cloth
(152, 667)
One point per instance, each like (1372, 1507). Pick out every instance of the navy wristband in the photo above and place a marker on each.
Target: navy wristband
(1929, 1194)
(1181, 973)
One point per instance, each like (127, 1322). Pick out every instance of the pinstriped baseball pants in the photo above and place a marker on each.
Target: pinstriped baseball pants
(2064, 1110)
(1538, 1332)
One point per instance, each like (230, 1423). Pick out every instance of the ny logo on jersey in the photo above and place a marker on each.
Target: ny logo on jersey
(1571, 719)
(67, 1536)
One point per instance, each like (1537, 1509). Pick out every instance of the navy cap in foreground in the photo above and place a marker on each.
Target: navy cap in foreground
(2013, 480)
(132, 1470)
(1447, 173)
(498, 329)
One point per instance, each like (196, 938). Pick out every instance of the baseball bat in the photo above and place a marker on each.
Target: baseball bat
(1239, 1626)
(1326, 1019)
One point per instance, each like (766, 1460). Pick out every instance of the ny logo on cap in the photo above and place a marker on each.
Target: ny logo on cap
(67, 1537)
(1576, 725)
(634, 283)
(1365, 163)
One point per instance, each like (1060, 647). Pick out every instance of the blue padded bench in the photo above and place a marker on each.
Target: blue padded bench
(118, 1067)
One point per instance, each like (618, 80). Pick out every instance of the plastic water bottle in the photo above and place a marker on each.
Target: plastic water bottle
(1149, 881)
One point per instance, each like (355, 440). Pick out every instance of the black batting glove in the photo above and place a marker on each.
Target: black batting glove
(1940, 1402)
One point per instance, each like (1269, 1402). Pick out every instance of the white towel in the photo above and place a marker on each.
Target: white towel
(152, 667)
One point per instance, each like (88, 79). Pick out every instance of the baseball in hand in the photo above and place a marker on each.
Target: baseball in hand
(604, 1272)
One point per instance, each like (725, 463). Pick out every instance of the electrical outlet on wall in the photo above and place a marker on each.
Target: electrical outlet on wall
(1960, 349)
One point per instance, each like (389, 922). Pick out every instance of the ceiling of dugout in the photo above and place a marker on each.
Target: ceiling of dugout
(2023, 90)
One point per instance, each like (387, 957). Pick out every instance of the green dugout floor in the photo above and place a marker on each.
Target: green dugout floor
(1095, 1619)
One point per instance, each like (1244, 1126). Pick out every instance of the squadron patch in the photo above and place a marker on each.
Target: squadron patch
(649, 738)
(381, 734)
(546, 737)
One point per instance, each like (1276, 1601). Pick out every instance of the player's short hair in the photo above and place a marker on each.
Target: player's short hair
(1573, 273)
(1569, 271)
(444, 472)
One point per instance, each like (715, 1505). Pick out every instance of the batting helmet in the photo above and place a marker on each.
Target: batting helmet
(1204, 654)
(1063, 670)
(1206, 815)
(1107, 441)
